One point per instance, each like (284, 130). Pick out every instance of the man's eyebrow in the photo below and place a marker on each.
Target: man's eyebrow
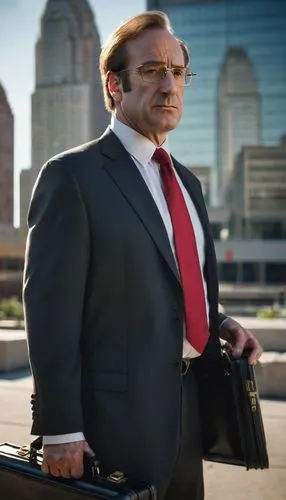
(160, 63)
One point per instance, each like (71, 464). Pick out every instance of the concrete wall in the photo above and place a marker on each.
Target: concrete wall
(252, 250)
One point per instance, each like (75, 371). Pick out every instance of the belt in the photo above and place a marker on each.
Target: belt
(186, 365)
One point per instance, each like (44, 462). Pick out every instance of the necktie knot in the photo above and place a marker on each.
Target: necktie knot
(161, 156)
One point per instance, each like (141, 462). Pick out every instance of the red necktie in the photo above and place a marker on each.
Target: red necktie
(197, 332)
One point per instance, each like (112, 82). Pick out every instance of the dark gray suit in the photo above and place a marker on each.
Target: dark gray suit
(104, 309)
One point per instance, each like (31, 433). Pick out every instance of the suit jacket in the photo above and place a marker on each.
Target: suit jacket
(104, 309)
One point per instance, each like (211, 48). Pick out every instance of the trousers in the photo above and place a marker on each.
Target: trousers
(187, 479)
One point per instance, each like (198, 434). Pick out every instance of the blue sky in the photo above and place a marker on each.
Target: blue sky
(19, 28)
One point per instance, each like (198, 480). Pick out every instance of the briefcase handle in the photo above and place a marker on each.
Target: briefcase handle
(90, 460)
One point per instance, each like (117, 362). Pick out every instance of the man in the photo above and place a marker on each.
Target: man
(120, 286)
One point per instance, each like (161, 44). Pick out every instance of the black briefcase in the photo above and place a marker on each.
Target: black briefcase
(21, 478)
(231, 419)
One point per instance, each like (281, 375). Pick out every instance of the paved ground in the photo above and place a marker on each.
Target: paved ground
(222, 482)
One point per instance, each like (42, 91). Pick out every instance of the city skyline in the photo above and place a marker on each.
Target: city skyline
(19, 31)
(211, 29)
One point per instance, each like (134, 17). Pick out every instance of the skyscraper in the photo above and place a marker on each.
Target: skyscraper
(238, 113)
(67, 105)
(210, 28)
(6, 160)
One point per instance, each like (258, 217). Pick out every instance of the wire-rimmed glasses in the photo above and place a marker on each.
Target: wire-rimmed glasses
(155, 73)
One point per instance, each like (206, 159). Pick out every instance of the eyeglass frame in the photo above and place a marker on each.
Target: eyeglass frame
(138, 70)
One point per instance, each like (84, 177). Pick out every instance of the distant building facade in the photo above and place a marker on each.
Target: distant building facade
(67, 105)
(252, 261)
(203, 173)
(210, 28)
(6, 160)
(259, 193)
(238, 114)
(12, 250)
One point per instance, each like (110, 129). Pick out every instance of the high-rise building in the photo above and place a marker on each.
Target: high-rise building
(6, 160)
(67, 104)
(210, 28)
(238, 114)
(259, 192)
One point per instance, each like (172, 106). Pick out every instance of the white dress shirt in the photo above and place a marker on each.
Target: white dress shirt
(141, 150)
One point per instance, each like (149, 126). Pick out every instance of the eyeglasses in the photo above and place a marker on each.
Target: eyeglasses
(151, 73)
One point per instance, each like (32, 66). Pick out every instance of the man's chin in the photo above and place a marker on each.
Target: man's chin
(167, 119)
(167, 127)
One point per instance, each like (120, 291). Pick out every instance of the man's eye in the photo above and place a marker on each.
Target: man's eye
(178, 73)
(150, 71)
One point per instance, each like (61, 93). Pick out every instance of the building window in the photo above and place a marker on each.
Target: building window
(227, 272)
(275, 273)
(250, 272)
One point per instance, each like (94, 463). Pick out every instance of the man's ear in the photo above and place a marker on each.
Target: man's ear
(114, 86)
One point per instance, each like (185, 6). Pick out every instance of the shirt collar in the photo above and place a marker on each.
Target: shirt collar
(137, 145)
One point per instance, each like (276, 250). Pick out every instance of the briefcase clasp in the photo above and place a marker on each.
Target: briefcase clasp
(116, 477)
(24, 451)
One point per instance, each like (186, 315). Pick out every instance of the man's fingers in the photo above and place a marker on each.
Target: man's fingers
(255, 355)
(64, 460)
(236, 352)
(88, 450)
(238, 345)
(66, 469)
(62, 468)
(65, 473)
(45, 468)
(54, 471)
(253, 348)
(77, 472)
(240, 341)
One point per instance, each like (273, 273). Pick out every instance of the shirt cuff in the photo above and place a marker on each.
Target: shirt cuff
(64, 438)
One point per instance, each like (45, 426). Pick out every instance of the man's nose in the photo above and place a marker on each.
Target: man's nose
(168, 84)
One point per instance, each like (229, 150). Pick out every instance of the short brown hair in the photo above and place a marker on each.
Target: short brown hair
(114, 56)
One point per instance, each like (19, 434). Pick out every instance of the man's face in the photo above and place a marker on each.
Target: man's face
(153, 109)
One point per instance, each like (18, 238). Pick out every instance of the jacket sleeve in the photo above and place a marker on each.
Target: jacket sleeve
(56, 263)
(221, 318)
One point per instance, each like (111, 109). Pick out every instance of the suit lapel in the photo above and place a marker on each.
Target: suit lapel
(127, 177)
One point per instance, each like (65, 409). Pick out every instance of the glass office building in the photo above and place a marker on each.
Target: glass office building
(253, 94)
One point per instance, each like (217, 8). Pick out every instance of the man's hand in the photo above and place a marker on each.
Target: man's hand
(65, 460)
(240, 340)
